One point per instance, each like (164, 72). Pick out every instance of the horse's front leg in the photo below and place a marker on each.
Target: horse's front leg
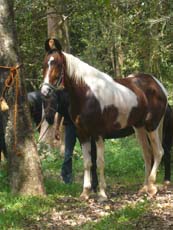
(100, 164)
(86, 149)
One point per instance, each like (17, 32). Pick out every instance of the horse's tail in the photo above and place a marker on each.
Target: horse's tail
(167, 128)
(161, 129)
(167, 142)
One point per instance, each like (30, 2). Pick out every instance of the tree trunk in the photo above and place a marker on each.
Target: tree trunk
(119, 61)
(57, 28)
(57, 25)
(24, 164)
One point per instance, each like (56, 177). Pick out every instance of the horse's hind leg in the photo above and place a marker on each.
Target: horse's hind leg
(157, 153)
(147, 154)
(86, 149)
(100, 164)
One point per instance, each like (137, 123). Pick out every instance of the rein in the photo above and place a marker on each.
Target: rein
(43, 118)
(39, 125)
(56, 85)
(9, 82)
(45, 131)
(50, 108)
(10, 79)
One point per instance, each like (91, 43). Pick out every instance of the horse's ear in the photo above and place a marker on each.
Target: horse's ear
(52, 43)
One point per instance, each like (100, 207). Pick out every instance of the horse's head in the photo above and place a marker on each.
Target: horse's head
(52, 67)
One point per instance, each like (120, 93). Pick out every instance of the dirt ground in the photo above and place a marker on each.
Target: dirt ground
(70, 213)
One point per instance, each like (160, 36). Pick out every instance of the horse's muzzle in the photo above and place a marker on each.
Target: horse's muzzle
(46, 91)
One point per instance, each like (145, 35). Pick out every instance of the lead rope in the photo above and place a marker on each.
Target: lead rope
(13, 76)
(16, 112)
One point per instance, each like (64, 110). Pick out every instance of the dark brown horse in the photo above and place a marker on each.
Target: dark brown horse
(100, 105)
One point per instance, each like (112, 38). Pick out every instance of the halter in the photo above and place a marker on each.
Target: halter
(57, 84)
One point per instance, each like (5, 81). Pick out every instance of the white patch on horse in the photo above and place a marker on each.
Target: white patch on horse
(45, 88)
(86, 149)
(100, 165)
(46, 79)
(105, 89)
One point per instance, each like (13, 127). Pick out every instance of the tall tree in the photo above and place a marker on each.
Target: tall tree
(56, 28)
(24, 164)
(57, 24)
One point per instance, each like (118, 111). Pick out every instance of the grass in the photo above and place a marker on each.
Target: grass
(124, 168)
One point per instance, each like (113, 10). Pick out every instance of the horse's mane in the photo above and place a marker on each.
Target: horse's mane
(80, 70)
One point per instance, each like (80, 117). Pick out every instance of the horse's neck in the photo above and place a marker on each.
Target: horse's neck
(79, 69)
(99, 82)
(71, 64)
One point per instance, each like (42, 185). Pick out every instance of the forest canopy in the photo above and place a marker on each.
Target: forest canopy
(118, 37)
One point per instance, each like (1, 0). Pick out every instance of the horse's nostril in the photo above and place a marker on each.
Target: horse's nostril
(49, 92)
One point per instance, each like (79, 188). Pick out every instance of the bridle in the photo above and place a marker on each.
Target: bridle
(60, 80)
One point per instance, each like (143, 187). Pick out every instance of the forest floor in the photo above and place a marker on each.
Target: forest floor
(70, 213)
(62, 209)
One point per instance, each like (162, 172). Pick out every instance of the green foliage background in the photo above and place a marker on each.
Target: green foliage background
(141, 31)
(100, 31)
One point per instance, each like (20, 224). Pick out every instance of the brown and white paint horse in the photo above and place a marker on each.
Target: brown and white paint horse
(99, 105)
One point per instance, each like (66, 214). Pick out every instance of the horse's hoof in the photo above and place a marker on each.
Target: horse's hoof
(102, 199)
(166, 183)
(152, 190)
(85, 194)
(102, 196)
(84, 197)
(142, 190)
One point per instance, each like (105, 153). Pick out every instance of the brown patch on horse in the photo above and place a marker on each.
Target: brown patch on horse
(149, 93)
(110, 115)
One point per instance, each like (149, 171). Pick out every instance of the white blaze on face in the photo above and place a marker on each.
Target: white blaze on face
(45, 88)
